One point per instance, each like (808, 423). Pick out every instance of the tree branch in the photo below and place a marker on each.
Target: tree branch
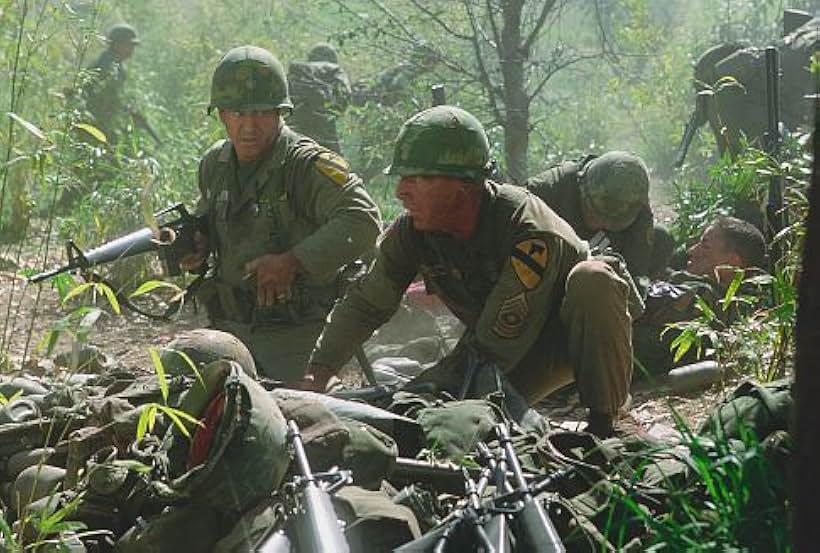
(539, 24)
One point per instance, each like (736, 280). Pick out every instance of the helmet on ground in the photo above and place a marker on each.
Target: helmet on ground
(443, 140)
(204, 346)
(122, 32)
(615, 186)
(323, 52)
(249, 78)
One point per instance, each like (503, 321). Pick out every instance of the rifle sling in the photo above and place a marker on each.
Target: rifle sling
(172, 309)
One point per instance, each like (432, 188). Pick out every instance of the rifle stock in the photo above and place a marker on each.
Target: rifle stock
(172, 240)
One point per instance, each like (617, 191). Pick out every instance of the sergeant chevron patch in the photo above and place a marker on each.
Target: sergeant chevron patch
(511, 317)
(529, 259)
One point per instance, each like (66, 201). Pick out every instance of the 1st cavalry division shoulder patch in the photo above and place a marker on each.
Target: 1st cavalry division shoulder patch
(529, 259)
(333, 166)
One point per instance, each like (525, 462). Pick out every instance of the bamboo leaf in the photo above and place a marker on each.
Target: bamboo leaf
(110, 296)
(159, 368)
(29, 126)
(152, 285)
(177, 416)
(93, 131)
(78, 290)
(190, 363)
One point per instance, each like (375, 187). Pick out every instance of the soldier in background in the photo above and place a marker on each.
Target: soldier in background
(282, 216)
(506, 265)
(321, 92)
(728, 244)
(606, 201)
(730, 87)
(103, 90)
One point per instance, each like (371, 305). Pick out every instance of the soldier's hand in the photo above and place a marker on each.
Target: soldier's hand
(194, 260)
(274, 276)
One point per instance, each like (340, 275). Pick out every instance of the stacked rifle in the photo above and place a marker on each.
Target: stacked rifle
(512, 519)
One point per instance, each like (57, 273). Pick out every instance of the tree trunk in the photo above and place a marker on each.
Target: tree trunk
(805, 476)
(516, 101)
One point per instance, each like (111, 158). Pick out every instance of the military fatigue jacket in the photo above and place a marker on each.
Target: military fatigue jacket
(102, 92)
(320, 92)
(559, 188)
(303, 198)
(503, 283)
(675, 300)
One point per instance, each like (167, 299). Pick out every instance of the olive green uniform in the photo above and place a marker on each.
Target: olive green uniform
(674, 300)
(102, 92)
(524, 287)
(321, 92)
(559, 187)
(301, 197)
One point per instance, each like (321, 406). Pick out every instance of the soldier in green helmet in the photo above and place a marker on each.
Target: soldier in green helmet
(103, 89)
(606, 201)
(283, 216)
(321, 92)
(533, 301)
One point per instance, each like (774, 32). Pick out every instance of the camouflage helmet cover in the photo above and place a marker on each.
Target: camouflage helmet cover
(323, 52)
(204, 346)
(615, 186)
(249, 78)
(122, 32)
(443, 140)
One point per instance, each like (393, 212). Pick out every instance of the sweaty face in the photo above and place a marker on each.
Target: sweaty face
(431, 201)
(710, 252)
(251, 132)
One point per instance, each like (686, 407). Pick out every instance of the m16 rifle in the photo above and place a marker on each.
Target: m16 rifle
(172, 240)
(696, 121)
(533, 528)
(141, 122)
(512, 519)
(311, 525)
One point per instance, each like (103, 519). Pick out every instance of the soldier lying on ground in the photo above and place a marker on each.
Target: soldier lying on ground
(283, 216)
(533, 300)
(606, 201)
(726, 245)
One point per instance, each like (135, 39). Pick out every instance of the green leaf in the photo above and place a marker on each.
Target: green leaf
(177, 416)
(190, 363)
(29, 126)
(78, 290)
(705, 308)
(734, 286)
(110, 295)
(152, 285)
(160, 370)
(146, 420)
(93, 131)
